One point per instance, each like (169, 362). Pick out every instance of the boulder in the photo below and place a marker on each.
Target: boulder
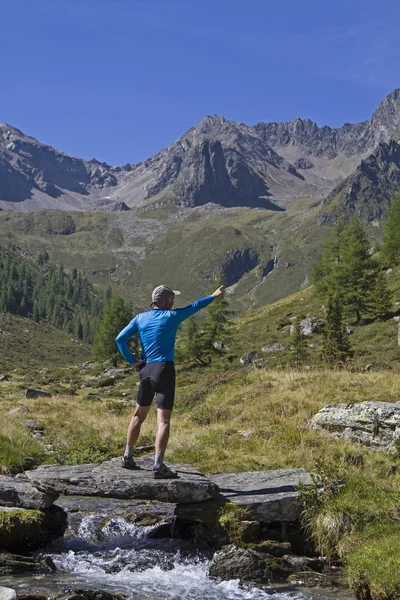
(15, 491)
(113, 372)
(7, 594)
(19, 409)
(248, 565)
(376, 424)
(22, 530)
(249, 358)
(277, 347)
(268, 496)
(110, 480)
(310, 325)
(36, 393)
(33, 424)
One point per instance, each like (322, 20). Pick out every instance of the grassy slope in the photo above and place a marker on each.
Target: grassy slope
(30, 346)
(373, 343)
(137, 250)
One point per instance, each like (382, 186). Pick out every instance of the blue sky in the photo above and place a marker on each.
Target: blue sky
(120, 79)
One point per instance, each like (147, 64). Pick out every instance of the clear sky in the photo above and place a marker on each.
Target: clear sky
(120, 79)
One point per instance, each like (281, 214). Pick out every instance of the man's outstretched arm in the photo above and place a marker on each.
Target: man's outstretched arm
(188, 311)
(122, 341)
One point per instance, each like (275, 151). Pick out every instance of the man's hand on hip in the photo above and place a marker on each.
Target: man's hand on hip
(138, 364)
(219, 293)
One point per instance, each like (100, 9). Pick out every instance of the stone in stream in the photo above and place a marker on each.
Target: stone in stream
(375, 424)
(7, 594)
(22, 530)
(110, 480)
(15, 491)
(248, 565)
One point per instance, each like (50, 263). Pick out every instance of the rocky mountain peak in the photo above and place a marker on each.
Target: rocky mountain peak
(386, 118)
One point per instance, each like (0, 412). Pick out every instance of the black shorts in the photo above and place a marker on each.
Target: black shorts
(157, 378)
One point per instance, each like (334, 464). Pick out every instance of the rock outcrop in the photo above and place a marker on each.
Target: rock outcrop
(16, 491)
(368, 191)
(110, 480)
(22, 530)
(267, 496)
(375, 424)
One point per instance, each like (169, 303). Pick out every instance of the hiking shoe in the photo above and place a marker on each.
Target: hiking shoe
(164, 472)
(128, 462)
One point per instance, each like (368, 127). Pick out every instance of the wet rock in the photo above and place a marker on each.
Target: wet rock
(20, 492)
(110, 480)
(22, 530)
(15, 564)
(268, 496)
(277, 347)
(249, 358)
(273, 548)
(313, 579)
(248, 532)
(95, 595)
(305, 563)
(232, 562)
(7, 594)
(36, 393)
(375, 424)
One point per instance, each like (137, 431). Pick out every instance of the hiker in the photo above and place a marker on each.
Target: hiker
(157, 329)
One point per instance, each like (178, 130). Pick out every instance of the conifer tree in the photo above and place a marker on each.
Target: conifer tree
(115, 317)
(335, 346)
(298, 343)
(192, 344)
(357, 269)
(347, 268)
(381, 298)
(203, 340)
(391, 239)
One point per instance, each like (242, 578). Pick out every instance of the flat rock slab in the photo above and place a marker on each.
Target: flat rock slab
(110, 480)
(20, 492)
(375, 424)
(269, 496)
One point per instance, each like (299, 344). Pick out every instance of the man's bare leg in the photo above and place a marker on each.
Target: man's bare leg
(139, 416)
(162, 437)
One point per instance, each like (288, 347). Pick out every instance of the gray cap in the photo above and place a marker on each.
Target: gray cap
(161, 293)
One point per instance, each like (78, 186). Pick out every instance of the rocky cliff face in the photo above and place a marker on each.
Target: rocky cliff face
(219, 161)
(368, 192)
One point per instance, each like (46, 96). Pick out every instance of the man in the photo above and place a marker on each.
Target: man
(157, 329)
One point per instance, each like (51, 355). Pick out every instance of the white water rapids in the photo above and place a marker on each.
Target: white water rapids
(116, 555)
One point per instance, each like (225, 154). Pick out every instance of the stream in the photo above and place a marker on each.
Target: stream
(105, 551)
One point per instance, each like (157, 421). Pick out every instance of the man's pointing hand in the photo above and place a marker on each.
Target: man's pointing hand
(219, 293)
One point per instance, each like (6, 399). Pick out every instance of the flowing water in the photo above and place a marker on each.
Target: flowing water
(114, 554)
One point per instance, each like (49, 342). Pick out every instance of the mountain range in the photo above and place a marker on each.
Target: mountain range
(223, 162)
(254, 202)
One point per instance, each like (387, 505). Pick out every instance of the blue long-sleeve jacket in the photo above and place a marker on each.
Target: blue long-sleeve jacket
(157, 330)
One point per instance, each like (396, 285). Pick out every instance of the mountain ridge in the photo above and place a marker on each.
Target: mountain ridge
(220, 161)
